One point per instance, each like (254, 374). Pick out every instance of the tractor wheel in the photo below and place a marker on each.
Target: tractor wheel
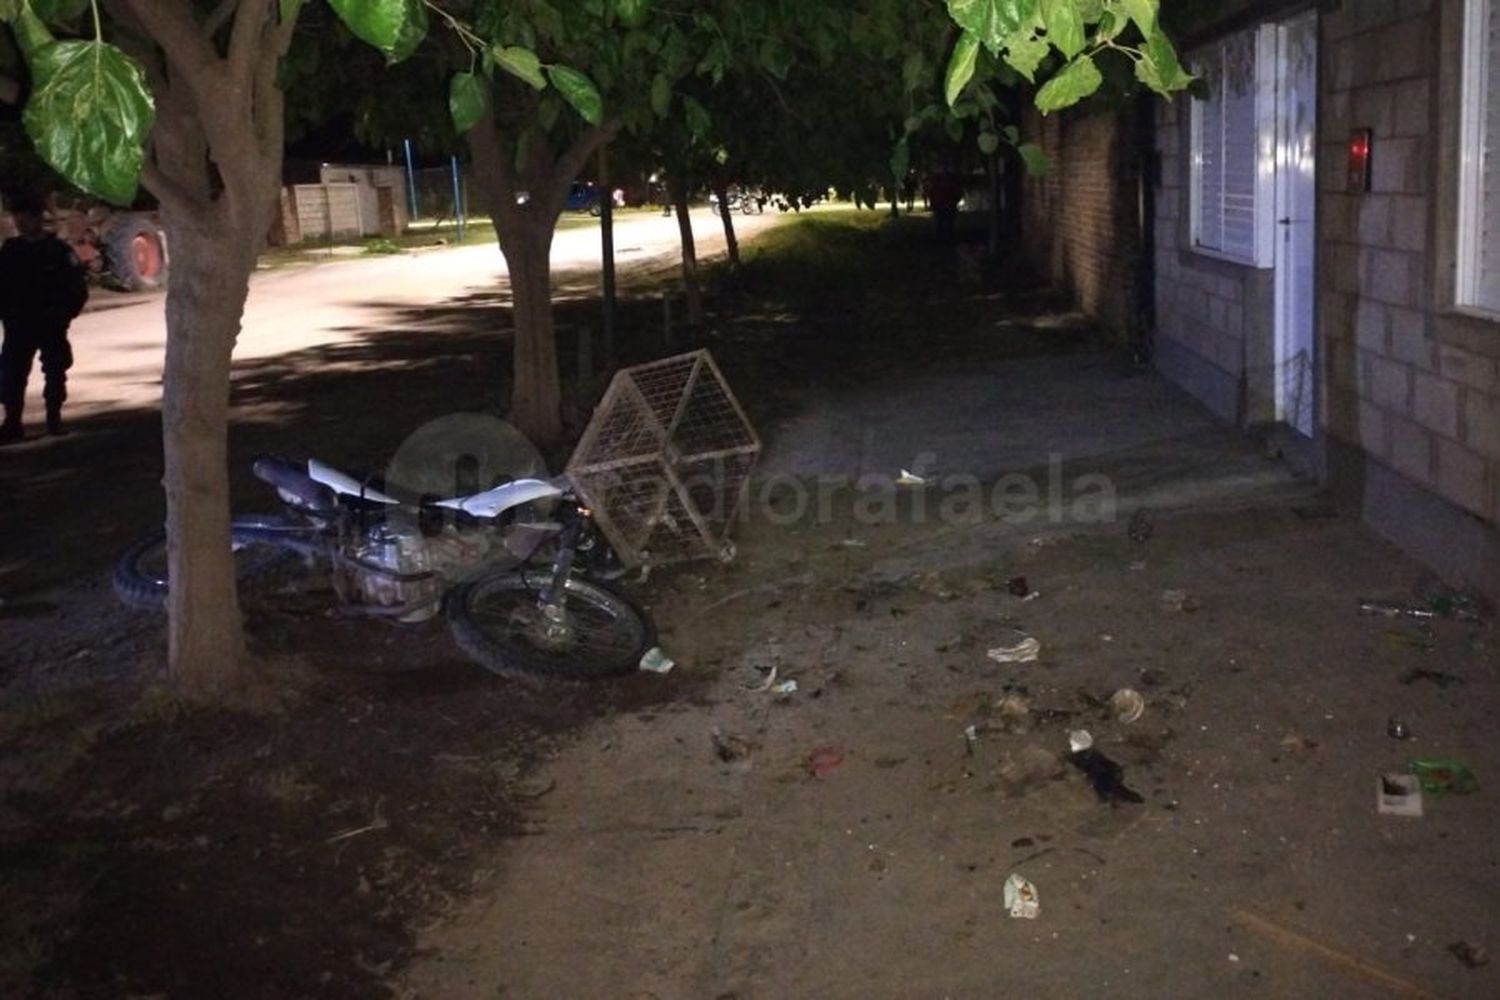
(135, 254)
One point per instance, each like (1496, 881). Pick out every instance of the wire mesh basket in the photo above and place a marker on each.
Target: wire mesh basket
(665, 462)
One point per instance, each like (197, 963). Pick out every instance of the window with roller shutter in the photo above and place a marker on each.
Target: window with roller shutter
(1479, 161)
(1233, 151)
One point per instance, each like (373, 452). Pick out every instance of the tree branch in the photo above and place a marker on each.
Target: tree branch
(494, 162)
(171, 26)
(270, 104)
(570, 163)
(172, 196)
(219, 17)
(245, 41)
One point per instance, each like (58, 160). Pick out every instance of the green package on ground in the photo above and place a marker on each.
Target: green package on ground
(1443, 776)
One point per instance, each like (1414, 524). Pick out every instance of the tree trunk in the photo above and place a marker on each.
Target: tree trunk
(525, 228)
(997, 207)
(214, 164)
(536, 389)
(721, 191)
(205, 301)
(690, 284)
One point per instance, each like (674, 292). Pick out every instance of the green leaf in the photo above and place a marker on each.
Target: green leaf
(290, 9)
(1024, 53)
(1142, 12)
(1158, 67)
(912, 70)
(88, 116)
(59, 11)
(465, 101)
(1034, 157)
(632, 13)
(520, 62)
(395, 27)
(777, 58)
(9, 10)
(1064, 26)
(1109, 27)
(31, 34)
(988, 143)
(1012, 135)
(661, 96)
(698, 120)
(900, 160)
(961, 66)
(1077, 80)
(991, 21)
(579, 91)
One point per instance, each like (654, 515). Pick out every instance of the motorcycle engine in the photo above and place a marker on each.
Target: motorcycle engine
(404, 550)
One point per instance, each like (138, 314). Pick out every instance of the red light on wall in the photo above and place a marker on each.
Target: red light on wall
(1359, 160)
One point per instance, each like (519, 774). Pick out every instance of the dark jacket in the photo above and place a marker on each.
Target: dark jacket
(42, 285)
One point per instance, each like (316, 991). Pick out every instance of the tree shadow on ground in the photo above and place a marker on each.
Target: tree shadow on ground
(293, 855)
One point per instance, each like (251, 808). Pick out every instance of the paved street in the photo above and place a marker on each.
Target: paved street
(118, 343)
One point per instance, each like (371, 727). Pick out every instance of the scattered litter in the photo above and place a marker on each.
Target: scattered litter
(1471, 954)
(1393, 609)
(1140, 528)
(728, 747)
(1398, 795)
(656, 661)
(823, 760)
(908, 478)
(1029, 769)
(1128, 705)
(1417, 640)
(1447, 601)
(971, 737)
(1179, 600)
(766, 684)
(1018, 587)
(1021, 897)
(1080, 739)
(1015, 713)
(1106, 776)
(1233, 957)
(784, 688)
(1397, 729)
(1437, 677)
(1018, 647)
(1138, 565)
(1443, 775)
(853, 543)
(1298, 743)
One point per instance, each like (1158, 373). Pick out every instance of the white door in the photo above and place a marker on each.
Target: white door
(1296, 199)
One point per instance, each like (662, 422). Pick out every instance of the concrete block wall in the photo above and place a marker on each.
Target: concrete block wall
(1394, 389)
(1079, 222)
(1204, 306)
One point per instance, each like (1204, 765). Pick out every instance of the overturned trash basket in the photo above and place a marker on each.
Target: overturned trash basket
(665, 462)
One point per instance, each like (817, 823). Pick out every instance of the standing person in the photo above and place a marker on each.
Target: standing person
(42, 288)
(944, 193)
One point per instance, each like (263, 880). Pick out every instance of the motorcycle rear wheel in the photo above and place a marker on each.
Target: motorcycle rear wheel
(260, 547)
(497, 621)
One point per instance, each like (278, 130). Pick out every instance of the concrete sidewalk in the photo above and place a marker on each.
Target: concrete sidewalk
(852, 839)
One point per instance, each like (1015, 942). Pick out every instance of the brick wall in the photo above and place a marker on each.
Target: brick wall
(1079, 222)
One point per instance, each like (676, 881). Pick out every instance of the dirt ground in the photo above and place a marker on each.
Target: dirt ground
(411, 826)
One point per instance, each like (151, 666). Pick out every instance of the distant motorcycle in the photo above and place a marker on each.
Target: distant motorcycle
(745, 204)
(517, 568)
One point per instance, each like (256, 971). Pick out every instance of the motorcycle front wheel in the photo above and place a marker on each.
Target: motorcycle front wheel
(260, 546)
(499, 621)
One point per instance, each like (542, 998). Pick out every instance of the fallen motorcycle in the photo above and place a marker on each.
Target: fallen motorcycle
(519, 569)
